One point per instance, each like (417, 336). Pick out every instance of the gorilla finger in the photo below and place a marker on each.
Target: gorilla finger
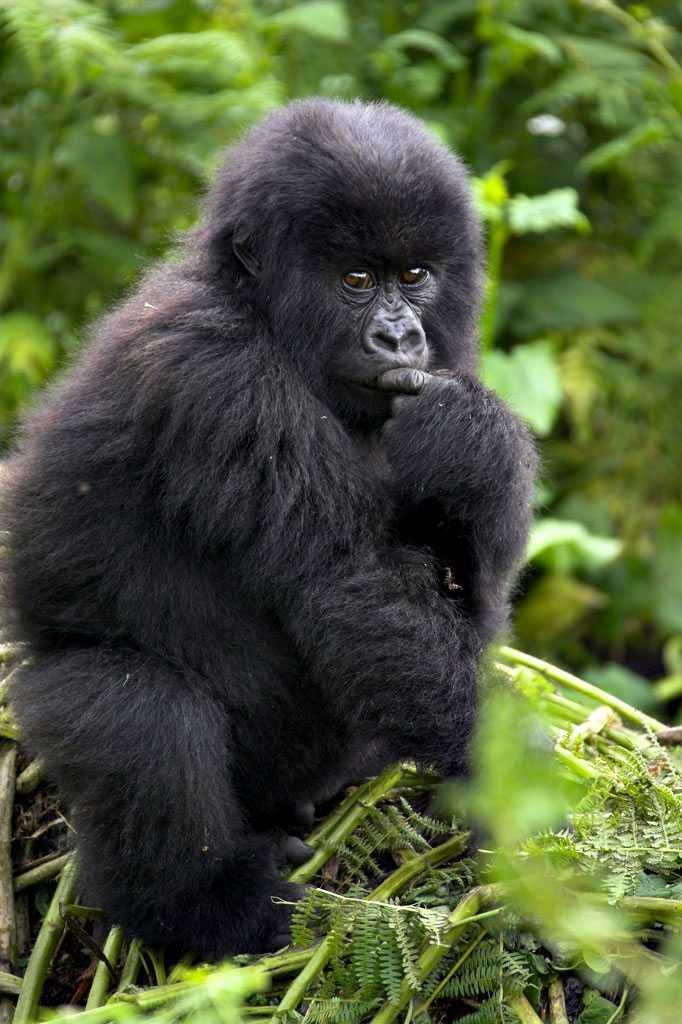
(405, 380)
(296, 851)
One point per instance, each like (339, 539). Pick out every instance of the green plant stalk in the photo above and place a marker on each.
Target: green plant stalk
(497, 240)
(423, 1007)
(10, 985)
(389, 887)
(567, 679)
(578, 765)
(523, 1010)
(575, 713)
(557, 1003)
(102, 979)
(329, 839)
(43, 950)
(30, 778)
(131, 967)
(467, 908)
(41, 873)
(409, 778)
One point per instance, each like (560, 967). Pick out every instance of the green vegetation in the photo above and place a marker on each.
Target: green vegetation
(568, 909)
(569, 114)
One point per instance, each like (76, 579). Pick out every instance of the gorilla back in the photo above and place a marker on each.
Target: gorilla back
(262, 530)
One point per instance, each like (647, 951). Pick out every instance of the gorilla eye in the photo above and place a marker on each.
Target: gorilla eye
(415, 275)
(360, 279)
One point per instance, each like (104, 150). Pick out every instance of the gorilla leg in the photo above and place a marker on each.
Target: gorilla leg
(142, 755)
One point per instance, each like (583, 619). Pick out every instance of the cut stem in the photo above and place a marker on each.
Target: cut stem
(46, 943)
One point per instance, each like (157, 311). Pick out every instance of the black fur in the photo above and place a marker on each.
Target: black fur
(244, 581)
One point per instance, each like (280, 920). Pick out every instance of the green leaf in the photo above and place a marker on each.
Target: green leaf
(563, 546)
(528, 379)
(555, 209)
(321, 19)
(428, 42)
(526, 43)
(567, 300)
(210, 56)
(554, 606)
(667, 570)
(26, 347)
(620, 148)
(101, 163)
(596, 1009)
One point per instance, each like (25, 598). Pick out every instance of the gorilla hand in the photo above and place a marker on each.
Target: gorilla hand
(464, 467)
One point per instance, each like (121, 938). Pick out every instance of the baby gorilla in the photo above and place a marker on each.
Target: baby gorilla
(262, 530)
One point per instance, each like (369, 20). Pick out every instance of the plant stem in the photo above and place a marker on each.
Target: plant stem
(353, 810)
(8, 757)
(131, 967)
(423, 1007)
(10, 984)
(103, 979)
(432, 955)
(523, 1010)
(557, 1003)
(49, 935)
(581, 686)
(30, 778)
(389, 887)
(41, 873)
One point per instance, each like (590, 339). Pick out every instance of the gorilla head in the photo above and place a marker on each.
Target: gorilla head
(350, 229)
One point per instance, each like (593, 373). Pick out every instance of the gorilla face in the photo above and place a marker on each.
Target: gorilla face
(383, 310)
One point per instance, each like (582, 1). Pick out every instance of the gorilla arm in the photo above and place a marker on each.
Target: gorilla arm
(287, 496)
(464, 467)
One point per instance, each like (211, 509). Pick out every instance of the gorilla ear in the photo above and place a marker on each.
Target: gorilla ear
(243, 248)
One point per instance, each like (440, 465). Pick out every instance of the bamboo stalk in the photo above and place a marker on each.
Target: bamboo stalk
(103, 979)
(45, 945)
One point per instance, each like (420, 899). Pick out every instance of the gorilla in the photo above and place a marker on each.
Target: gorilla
(262, 530)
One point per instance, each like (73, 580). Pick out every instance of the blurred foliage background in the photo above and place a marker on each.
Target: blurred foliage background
(112, 113)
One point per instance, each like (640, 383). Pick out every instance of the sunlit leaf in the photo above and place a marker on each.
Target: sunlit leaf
(322, 19)
(555, 209)
(565, 547)
(528, 379)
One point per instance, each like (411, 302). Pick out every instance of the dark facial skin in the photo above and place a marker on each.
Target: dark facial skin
(389, 350)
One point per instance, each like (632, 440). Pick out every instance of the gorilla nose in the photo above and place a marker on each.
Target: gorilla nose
(396, 336)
